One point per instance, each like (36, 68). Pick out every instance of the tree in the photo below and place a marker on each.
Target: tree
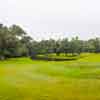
(10, 41)
(27, 42)
(65, 46)
(96, 44)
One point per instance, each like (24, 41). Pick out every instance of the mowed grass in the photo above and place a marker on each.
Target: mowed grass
(24, 79)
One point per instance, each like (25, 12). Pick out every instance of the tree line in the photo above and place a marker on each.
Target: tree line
(14, 42)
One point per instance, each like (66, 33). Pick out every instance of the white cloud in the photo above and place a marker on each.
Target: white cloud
(62, 17)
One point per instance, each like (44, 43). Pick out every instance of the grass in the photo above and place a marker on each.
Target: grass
(24, 79)
(61, 57)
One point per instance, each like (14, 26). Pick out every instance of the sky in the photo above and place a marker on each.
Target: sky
(44, 19)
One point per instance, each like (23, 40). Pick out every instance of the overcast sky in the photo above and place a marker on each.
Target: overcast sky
(44, 19)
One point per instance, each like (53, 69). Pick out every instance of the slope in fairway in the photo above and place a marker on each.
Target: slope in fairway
(24, 79)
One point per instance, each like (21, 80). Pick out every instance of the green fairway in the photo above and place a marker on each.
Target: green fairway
(24, 79)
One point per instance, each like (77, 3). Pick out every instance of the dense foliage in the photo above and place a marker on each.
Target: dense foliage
(14, 42)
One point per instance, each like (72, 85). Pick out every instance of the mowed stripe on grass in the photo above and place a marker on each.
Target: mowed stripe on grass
(24, 79)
